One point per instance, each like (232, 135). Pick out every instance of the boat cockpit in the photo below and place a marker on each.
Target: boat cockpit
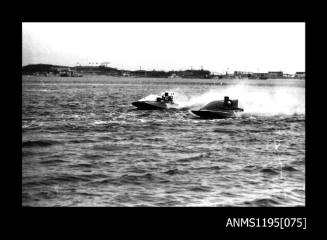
(166, 98)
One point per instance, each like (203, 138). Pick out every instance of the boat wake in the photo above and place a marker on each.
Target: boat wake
(255, 100)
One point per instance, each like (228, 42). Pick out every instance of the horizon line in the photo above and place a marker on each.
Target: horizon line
(224, 71)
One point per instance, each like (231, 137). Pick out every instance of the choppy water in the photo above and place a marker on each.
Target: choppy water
(85, 145)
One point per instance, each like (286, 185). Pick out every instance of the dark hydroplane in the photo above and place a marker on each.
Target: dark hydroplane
(219, 109)
(166, 101)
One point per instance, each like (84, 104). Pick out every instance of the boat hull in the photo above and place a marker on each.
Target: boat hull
(214, 114)
(152, 105)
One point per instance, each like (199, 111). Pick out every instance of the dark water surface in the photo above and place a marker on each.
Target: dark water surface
(85, 145)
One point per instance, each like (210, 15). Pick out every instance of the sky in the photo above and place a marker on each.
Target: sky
(218, 47)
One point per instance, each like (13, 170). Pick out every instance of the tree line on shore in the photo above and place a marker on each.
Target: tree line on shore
(78, 71)
(34, 69)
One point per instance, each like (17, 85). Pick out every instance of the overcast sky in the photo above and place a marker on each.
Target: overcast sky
(168, 46)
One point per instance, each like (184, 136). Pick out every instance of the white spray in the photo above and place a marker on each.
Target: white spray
(257, 100)
(151, 97)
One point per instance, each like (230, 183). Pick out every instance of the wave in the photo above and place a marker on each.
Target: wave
(269, 171)
(89, 194)
(250, 168)
(99, 122)
(140, 179)
(225, 130)
(109, 147)
(174, 171)
(224, 122)
(289, 169)
(278, 169)
(228, 194)
(92, 156)
(216, 168)
(53, 161)
(27, 153)
(262, 202)
(83, 165)
(193, 158)
(40, 143)
(81, 141)
(200, 189)
(63, 178)
(299, 162)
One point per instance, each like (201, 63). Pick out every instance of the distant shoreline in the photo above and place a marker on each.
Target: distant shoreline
(79, 71)
(90, 79)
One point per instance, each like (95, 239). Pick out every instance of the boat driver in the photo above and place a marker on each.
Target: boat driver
(165, 97)
(170, 99)
(228, 102)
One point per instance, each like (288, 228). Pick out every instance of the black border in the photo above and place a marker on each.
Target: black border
(164, 220)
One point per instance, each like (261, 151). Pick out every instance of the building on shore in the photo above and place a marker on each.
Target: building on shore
(274, 75)
(67, 72)
(288, 76)
(262, 76)
(173, 75)
(241, 74)
(300, 75)
(126, 74)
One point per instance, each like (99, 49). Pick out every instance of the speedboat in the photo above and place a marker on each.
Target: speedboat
(226, 108)
(164, 102)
